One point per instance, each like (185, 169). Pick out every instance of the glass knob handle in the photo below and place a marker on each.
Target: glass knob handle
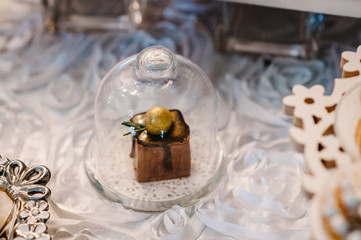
(156, 64)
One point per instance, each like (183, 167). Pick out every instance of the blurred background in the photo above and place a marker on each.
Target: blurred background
(192, 28)
(54, 53)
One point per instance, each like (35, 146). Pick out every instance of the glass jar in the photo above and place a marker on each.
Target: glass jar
(267, 30)
(155, 77)
(101, 15)
(83, 15)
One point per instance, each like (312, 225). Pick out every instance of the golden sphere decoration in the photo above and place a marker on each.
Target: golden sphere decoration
(158, 120)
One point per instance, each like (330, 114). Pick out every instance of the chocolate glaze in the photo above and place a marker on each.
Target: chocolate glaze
(175, 141)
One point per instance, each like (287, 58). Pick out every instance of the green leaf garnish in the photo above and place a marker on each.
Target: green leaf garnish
(132, 124)
(137, 127)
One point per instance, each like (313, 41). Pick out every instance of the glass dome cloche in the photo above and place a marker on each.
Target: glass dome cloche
(155, 141)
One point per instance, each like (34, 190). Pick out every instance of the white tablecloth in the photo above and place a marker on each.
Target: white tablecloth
(47, 89)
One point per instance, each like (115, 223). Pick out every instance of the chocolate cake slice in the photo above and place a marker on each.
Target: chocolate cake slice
(162, 157)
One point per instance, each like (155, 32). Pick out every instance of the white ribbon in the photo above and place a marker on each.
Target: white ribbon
(175, 224)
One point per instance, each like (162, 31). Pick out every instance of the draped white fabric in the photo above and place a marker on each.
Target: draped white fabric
(47, 89)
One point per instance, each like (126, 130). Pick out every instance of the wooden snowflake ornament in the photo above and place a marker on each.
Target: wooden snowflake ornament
(350, 63)
(314, 116)
(324, 130)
